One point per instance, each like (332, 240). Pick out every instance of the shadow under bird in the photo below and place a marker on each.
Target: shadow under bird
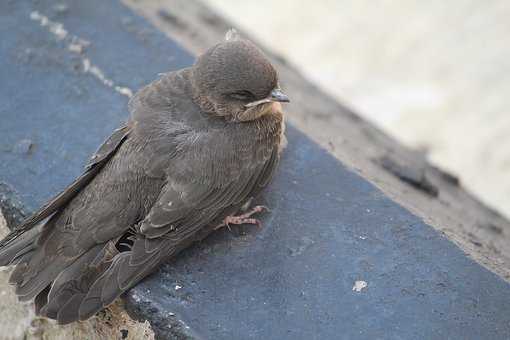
(199, 144)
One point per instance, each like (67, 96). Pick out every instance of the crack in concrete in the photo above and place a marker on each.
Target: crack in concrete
(77, 46)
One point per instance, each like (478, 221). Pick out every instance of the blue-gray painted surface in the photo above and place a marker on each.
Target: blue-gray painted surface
(292, 279)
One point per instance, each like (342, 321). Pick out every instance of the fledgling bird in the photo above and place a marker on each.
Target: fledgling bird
(200, 143)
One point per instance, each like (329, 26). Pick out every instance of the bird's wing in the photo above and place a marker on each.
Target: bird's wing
(182, 207)
(209, 174)
(16, 240)
(92, 215)
(197, 193)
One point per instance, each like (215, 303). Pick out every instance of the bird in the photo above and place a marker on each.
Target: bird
(199, 144)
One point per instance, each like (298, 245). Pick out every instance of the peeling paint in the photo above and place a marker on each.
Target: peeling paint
(88, 67)
(78, 45)
(55, 28)
(126, 91)
(359, 286)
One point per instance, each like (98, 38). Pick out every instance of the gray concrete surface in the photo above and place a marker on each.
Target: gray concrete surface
(478, 230)
(336, 257)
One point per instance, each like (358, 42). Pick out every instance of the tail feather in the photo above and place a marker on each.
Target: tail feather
(20, 269)
(40, 275)
(116, 280)
(76, 279)
(69, 311)
(72, 285)
(126, 270)
(17, 247)
(41, 299)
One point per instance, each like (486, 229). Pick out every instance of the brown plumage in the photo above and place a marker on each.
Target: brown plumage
(200, 142)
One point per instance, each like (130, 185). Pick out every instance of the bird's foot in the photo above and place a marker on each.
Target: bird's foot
(243, 218)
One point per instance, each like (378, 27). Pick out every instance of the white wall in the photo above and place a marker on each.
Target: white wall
(435, 74)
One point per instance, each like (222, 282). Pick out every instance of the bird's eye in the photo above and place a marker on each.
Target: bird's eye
(242, 95)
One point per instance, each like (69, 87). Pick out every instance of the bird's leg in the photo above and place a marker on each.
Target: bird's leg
(244, 218)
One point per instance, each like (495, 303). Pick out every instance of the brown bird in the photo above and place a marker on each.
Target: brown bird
(199, 144)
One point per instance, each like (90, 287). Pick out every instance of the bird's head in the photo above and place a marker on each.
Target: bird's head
(235, 79)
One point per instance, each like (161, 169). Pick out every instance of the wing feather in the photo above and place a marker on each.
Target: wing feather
(181, 211)
(103, 154)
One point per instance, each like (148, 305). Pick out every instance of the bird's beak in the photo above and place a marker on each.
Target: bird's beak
(275, 96)
(278, 96)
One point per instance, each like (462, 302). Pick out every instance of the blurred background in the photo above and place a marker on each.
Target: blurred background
(433, 74)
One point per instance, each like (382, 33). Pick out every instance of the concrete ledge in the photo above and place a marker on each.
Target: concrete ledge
(337, 257)
(478, 230)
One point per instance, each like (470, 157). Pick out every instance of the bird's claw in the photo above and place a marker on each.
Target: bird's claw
(243, 218)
